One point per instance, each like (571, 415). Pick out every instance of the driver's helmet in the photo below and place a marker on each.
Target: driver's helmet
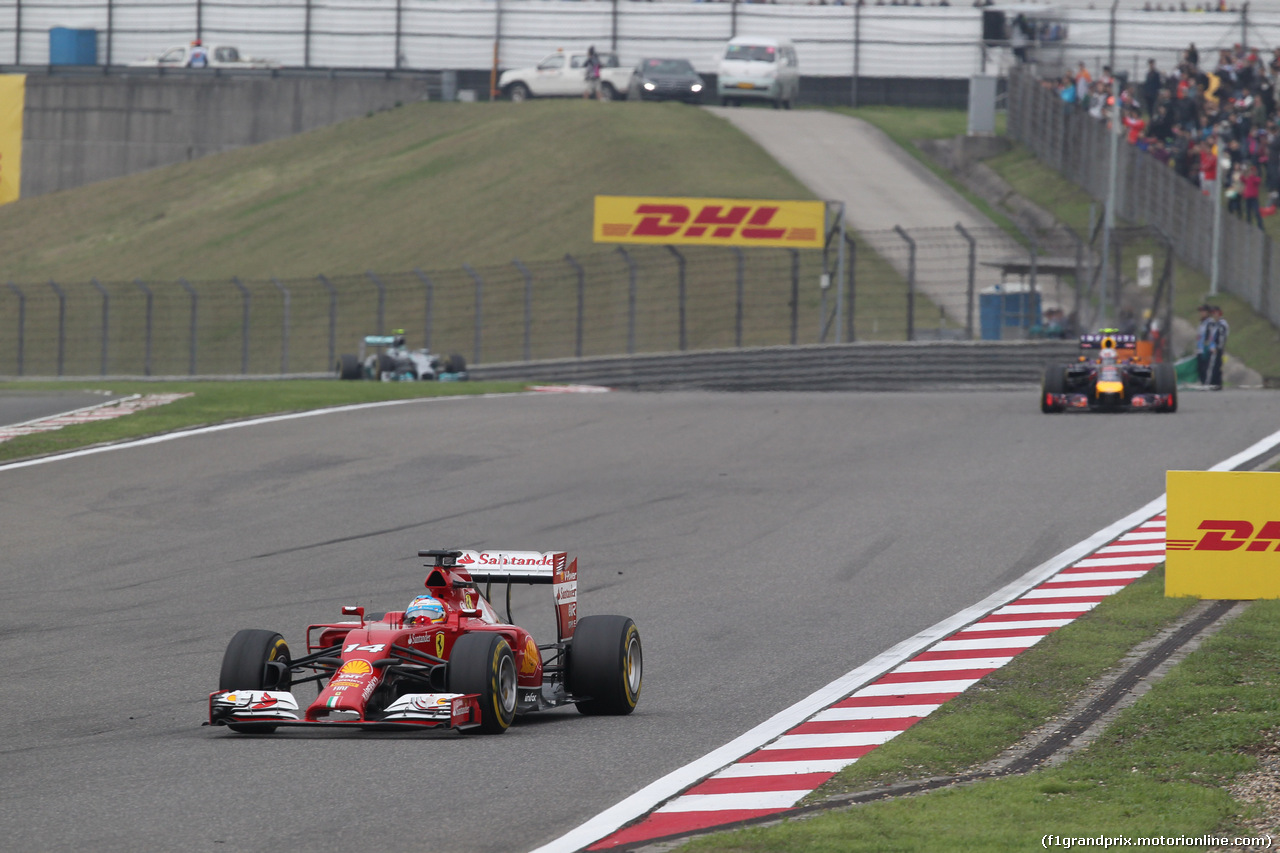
(399, 333)
(424, 610)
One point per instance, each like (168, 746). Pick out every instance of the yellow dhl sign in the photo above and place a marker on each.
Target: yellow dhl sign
(709, 221)
(1222, 534)
(13, 88)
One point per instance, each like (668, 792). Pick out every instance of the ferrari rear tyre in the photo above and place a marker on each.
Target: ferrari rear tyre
(1166, 382)
(1055, 377)
(483, 663)
(348, 367)
(256, 660)
(606, 665)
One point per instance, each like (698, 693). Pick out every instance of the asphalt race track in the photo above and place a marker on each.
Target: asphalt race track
(764, 543)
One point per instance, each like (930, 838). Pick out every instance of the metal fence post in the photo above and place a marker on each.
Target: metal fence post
(738, 298)
(146, 358)
(973, 268)
(106, 320)
(306, 41)
(22, 323)
(911, 282)
(382, 299)
(475, 357)
(284, 327)
(62, 323)
(582, 294)
(191, 358)
(431, 296)
(795, 295)
(681, 296)
(244, 326)
(851, 277)
(1030, 294)
(333, 313)
(631, 300)
(399, 33)
(528, 308)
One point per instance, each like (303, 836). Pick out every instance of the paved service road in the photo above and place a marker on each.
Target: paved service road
(765, 544)
(846, 159)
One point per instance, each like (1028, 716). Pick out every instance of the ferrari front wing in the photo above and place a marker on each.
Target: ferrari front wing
(267, 709)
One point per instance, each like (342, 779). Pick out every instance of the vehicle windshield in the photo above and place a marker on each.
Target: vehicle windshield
(226, 54)
(751, 53)
(667, 66)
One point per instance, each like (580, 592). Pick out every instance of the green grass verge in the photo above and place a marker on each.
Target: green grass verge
(218, 402)
(1160, 769)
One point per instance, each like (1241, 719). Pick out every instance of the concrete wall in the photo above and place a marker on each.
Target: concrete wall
(81, 130)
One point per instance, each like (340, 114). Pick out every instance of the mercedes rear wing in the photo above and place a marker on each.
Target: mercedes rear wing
(528, 567)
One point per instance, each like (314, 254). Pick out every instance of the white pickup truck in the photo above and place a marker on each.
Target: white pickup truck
(563, 74)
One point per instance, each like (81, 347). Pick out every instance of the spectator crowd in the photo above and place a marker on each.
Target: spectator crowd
(1198, 118)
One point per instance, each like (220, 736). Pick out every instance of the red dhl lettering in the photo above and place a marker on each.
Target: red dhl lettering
(713, 220)
(1231, 535)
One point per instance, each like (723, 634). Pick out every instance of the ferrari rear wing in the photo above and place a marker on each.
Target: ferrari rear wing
(529, 567)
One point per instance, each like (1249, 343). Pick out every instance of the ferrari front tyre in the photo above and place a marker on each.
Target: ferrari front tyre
(1054, 383)
(1166, 382)
(483, 663)
(348, 367)
(256, 660)
(606, 665)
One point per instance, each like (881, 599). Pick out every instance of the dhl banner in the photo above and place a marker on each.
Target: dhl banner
(13, 90)
(709, 221)
(1222, 532)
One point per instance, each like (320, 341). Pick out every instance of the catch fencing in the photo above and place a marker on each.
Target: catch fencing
(643, 299)
(1149, 193)
(836, 40)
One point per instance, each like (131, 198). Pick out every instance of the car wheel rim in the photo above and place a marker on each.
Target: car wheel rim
(507, 685)
(633, 665)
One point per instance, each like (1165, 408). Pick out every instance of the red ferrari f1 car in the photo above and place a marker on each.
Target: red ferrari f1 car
(446, 661)
(1114, 379)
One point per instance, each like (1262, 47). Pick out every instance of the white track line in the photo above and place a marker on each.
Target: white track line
(291, 416)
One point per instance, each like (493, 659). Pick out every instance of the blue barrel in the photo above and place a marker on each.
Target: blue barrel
(73, 47)
(999, 309)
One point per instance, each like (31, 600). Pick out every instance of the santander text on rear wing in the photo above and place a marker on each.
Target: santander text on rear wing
(530, 567)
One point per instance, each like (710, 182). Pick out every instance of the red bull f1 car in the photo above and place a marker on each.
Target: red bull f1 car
(1109, 377)
(448, 661)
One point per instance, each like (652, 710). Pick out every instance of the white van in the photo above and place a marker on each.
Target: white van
(759, 68)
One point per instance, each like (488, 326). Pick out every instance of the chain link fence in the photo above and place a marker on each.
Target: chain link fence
(898, 285)
(1148, 193)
